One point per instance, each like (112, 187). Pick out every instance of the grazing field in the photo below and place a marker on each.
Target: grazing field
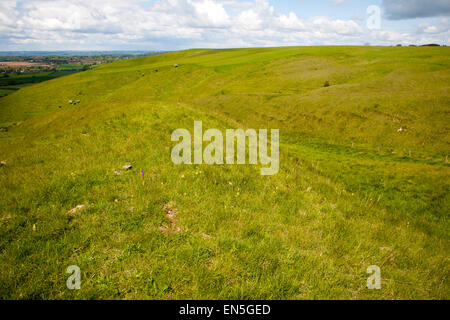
(364, 178)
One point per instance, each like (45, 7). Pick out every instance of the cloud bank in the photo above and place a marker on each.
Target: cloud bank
(177, 24)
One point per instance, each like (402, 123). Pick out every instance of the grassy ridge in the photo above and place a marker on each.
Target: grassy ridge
(352, 191)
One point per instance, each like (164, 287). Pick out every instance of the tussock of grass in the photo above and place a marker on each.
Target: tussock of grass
(352, 191)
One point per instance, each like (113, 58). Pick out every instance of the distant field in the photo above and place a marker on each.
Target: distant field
(19, 64)
(364, 178)
(71, 66)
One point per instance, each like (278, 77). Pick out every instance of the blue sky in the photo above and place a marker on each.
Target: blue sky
(181, 24)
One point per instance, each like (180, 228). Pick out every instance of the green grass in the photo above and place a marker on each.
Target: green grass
(4, 91)
(16, 81)
(352, 191)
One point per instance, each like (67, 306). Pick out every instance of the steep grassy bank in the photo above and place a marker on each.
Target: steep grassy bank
(363, 178)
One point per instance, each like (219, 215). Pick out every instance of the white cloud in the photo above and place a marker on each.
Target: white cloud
(8, 15)
(443, 26)
(211, 13)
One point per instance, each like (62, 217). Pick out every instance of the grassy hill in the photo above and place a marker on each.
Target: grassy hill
(353, 189)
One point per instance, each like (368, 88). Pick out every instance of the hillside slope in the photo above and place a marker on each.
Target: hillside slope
(364, 178)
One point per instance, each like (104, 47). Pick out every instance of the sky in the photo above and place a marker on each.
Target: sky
(32, 25)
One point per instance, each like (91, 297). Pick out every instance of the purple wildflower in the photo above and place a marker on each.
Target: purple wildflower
(142, 174)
